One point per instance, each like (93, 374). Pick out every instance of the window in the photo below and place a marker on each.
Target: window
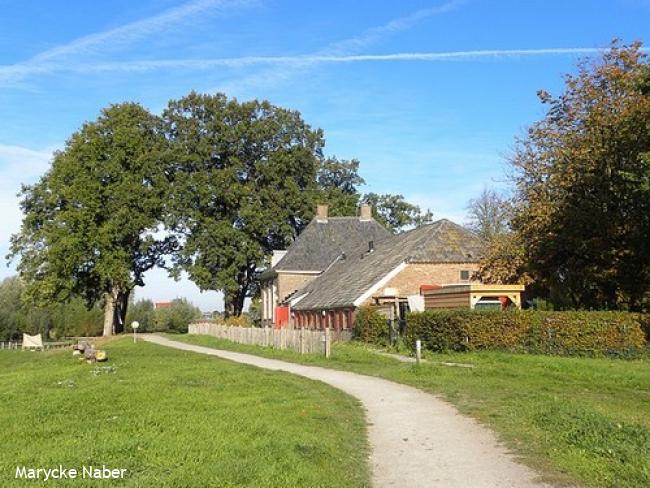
(464, 275)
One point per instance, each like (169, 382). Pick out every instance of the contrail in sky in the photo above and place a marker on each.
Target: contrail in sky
(307, 60)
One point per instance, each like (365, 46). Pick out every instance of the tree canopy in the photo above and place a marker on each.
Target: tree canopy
(582, 178)
(244, 174)
(209, 188)
(89, 223)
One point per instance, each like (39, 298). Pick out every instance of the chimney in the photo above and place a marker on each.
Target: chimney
(321, 213)
(366, 212)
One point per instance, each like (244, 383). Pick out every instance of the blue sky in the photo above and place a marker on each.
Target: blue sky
(428, 95)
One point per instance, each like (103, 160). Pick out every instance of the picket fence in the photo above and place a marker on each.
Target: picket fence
(304, 341)
(46, 345)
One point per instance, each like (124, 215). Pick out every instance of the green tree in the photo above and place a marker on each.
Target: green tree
(395, 213)
(582, 176)
(337, 183)
(177, 317)
(89, 222)
(244, 178)
(142, 312)
(18, 315)
(11, 313)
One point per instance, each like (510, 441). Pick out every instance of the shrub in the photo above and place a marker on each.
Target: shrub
(564, 333)
(177, 317)
(645, 325)
(371, 326)
(241, 321)
(18, 315)
(142, 312)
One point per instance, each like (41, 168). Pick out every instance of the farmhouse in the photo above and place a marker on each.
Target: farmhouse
(323, 242)
(333, 268)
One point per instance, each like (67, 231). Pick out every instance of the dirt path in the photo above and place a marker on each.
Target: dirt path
(416, 439)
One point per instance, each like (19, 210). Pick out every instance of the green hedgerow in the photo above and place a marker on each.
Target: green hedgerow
(564, 333)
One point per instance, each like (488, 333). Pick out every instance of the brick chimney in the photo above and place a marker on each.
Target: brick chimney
(321, 213)
(365, 212)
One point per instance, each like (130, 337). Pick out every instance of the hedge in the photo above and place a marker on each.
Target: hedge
(370, 326)
(565, 333)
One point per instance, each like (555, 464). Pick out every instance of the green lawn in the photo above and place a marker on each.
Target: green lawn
(173, 418)
(574, 419)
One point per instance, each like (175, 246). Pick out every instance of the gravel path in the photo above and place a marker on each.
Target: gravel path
(416, 439)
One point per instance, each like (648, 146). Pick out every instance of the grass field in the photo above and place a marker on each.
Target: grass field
(176, 419)
(577, 420)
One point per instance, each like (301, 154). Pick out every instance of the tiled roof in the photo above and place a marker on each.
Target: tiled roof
(346, 280)
(320, 243)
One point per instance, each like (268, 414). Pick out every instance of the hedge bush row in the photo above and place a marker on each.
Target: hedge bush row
(370, 326)
(564, 333)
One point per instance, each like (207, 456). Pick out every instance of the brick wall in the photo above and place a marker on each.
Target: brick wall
(288, 283)
(408, 281)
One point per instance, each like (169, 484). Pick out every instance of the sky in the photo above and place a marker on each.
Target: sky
(430, 96)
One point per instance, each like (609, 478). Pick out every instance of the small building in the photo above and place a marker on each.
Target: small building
(473, 296)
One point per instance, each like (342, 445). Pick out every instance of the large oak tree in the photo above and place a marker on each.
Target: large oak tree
(244, 179)
(90, 222)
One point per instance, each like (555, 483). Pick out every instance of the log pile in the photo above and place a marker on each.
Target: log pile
(87, 351)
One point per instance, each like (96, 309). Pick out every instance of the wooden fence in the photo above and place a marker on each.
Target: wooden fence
(46, 345)
(298, 340)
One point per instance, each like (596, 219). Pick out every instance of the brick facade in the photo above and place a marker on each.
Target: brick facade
(290, 282)
(408, 281)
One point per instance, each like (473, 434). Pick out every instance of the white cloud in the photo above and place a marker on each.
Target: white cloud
(23, 162)
(376, 34)
(18, 165)
(344, 48)
(60, 58)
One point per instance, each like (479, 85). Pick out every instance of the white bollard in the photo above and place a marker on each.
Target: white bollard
(418, 352)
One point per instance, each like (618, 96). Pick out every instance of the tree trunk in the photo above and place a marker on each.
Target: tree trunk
(110, 303)
(228, 305)
(234, 303)
(116, 304)
(122, 306)
(239, 303)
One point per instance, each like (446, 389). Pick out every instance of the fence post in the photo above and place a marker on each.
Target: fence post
(328, 342)
(418, 352)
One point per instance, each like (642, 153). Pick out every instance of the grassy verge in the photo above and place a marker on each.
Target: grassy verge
(173, 418)
(576, 420)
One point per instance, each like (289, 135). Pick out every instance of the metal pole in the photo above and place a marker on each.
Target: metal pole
(418, 352)
(134, 331)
